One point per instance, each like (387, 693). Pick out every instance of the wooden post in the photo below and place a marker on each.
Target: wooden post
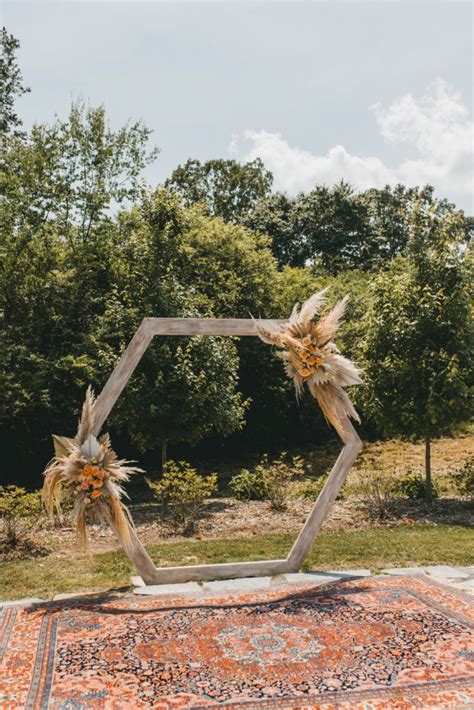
(135, 550)
(325, 500)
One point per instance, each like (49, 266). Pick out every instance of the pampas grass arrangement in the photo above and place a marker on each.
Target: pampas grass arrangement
(87, 470)
(311, 358)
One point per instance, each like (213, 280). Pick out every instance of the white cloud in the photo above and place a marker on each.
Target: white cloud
(437, 126)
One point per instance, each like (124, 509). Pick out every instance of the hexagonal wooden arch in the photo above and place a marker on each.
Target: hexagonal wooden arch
(151, 574)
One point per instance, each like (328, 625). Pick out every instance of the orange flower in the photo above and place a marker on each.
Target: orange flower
(311, 360)
(96, 494)
(98, 484)
(304, 372)
(98, 473)
(84, 485)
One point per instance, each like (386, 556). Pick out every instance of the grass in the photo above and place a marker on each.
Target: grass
(374, 548)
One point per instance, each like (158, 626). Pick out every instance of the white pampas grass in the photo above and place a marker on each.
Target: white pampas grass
(311, 357)
(87, 470)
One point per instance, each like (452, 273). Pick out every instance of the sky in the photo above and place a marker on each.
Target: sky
(369, 92)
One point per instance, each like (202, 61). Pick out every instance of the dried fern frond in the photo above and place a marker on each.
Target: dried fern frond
(88, 470)
(310, 357)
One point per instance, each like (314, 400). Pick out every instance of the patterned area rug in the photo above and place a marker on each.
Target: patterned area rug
(379, 642)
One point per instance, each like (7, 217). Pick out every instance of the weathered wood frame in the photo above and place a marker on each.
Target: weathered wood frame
(151, 574)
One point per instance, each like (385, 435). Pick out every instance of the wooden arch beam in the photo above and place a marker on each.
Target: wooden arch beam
(105, 402)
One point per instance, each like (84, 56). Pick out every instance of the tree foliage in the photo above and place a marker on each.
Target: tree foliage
(11, 84)
(225, 187)
(87, 250)
(418, 339)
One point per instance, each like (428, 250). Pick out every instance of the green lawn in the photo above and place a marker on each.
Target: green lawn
(374, 548)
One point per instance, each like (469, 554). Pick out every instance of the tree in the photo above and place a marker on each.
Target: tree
(418, 342)
(228, 189)
(275, 215)
(74, 172)
(11, 84)
(333, 226)
(184, 390)
(58, 263)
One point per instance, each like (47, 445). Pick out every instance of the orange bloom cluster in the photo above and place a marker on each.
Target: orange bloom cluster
(308, 358)
(92, 480)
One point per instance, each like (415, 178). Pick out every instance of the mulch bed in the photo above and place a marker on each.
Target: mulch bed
(375, 642)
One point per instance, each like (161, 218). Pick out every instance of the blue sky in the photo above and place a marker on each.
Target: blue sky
(372, 92)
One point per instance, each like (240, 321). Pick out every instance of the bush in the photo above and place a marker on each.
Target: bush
(268, 480)
(464, 478)
(250, 485)
(378, 489)
(182, 492)
(19, 513)
(413, 485)
(309, 490)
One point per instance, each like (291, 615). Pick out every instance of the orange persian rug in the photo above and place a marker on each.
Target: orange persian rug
(377, 642)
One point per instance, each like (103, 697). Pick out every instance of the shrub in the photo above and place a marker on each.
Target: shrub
(19, 513)
(378, 489)
(413, 485)
(464, 478)
(250, 485)
(268, 480)
(182, 492)
(309, 490)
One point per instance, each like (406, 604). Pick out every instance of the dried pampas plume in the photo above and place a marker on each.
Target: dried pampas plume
(87, 470)
(311, 357)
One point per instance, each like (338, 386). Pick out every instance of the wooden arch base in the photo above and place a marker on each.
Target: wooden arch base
(144, 565)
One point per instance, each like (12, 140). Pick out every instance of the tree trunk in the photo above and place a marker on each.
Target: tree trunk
(164, 453)
(429, 490)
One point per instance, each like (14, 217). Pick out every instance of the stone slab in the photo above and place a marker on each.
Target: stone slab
(350, 573)
(159, 589)
(138, 581)
(446, 572)
(311, 577)
(22, 602)
(405, 570)
(237, 585)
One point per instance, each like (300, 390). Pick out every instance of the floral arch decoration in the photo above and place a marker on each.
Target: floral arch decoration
(87, 469)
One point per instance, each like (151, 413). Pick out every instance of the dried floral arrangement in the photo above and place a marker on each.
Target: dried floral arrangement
(87, 470)
(311, 358)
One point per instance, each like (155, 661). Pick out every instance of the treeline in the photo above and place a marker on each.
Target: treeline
(88, 250)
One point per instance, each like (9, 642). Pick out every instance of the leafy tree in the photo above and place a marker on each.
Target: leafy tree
(275, 215)
(228, 189)
(334, 227)
(73, 172)
(388, 213)
(58, 258)
(184, 390)
(11, 84)
(390, 217)
(418, 342)
(230, 268)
